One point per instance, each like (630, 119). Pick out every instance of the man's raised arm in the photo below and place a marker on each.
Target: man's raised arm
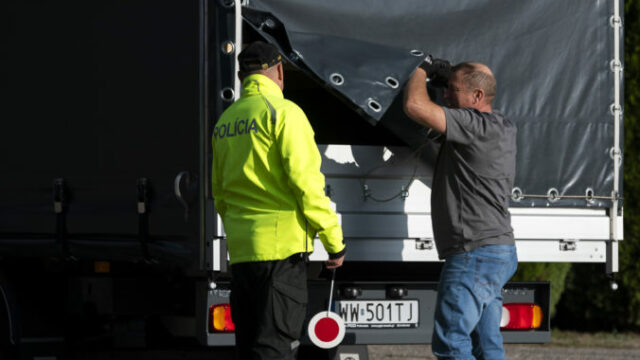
(419, 107)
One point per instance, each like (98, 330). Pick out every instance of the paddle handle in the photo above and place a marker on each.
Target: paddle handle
(333, 279)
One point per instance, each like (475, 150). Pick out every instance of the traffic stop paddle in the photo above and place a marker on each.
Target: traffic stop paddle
(326, 328)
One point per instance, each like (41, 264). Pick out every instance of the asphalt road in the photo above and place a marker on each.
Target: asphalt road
(392, 352)
(513, 352)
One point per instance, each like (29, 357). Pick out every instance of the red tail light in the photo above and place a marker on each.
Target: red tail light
(220, 318)
(521, 316)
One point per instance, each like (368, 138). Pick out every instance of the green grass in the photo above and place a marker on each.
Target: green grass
(603, 340)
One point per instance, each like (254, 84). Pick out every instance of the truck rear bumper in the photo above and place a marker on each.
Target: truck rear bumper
(377, 292)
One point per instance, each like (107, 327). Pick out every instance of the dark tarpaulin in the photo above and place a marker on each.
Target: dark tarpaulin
(551, 60)
(365, 73)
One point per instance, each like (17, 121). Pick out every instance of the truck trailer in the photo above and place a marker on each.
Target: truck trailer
(109, 238)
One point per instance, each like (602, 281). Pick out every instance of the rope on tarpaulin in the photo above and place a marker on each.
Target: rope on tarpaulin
(553, 195)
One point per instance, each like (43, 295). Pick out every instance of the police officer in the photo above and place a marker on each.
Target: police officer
(268, 189)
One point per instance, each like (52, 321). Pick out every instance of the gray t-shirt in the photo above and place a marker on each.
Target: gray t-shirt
(472, 182)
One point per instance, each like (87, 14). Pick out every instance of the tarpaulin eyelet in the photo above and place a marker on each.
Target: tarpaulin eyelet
(374, 105)
(270, 23)
(589, 195)
(415, 52)
(615, 21)
(336, 79)
(614, 153)
(615, 65)
(613, 108)
(392, 82)
(516, 194)
(227, 94)
(553, 195)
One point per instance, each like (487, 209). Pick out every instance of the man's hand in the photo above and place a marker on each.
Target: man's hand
(334, 263)
(438, 70)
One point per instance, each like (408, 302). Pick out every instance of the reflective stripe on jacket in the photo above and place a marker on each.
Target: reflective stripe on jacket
(266, 178)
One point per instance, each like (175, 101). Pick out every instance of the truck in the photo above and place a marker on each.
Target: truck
(109, 238)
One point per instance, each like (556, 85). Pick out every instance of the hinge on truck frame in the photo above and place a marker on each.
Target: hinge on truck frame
(568, 245)
(404, 193)
(424, 244)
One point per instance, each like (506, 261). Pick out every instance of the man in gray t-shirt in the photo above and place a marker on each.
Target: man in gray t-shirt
(472, 181)
(470, 216)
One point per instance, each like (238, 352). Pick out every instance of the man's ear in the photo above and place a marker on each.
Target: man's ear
(280, 75)
(478, 95)
(280, 72)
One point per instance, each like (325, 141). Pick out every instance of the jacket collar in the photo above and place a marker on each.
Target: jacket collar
(259, 84)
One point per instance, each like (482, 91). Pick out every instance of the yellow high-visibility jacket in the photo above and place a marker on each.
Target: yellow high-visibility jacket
(266, 178)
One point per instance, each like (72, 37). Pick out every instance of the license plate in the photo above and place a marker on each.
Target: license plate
(382, 314)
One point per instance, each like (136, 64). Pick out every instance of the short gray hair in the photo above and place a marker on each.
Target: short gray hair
(475, 76)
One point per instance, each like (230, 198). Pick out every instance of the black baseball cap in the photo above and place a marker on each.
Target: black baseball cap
(259, 55)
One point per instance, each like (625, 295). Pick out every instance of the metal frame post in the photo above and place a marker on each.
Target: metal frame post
(616, 109)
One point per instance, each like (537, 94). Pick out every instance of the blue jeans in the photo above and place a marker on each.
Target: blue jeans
(469, 304)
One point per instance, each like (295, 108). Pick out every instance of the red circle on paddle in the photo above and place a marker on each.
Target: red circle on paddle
(327, 329)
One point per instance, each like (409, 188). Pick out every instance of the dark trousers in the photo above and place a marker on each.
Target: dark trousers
(268, 307)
